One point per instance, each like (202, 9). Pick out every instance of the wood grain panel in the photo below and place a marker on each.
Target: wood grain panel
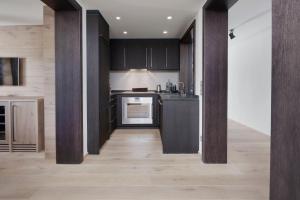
(35, 44)
(24, 42)
(180, 126)
(98, 84)
(49, 81)
(215, 86)
(132, 167)
(285, 137)
(68, 76)
(187, 59)
(24, 129)
(93, 73)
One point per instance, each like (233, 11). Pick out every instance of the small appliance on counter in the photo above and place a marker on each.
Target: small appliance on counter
(170, 87)
(158, 88)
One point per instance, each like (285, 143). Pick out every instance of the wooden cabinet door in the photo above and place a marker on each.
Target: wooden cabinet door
(136, 54)
(117, 54)
(24, 122)
(156, 55)
(173, 54)
(104, 91)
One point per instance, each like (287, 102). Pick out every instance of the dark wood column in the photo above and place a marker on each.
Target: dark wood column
(215, 67)
(98, 80)
(68, 77)
(285, 129)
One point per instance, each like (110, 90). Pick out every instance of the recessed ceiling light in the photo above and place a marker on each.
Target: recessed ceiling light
(125, 32)
(169, 17)
(165, 32)
(118, 18)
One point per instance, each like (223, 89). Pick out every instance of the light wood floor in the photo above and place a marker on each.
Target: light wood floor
(131, 166)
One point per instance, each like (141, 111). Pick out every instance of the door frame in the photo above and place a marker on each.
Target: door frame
(68, 80)
(285, 109)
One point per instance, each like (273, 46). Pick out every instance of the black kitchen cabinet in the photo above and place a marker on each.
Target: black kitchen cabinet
(136, 54)
(113, 114)
(98, 65)
(156, 55)
(179, 124)
(151, 54)
(118, 54)
(172, 54)
(104, 90)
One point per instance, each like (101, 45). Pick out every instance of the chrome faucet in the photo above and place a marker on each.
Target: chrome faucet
(181, 88)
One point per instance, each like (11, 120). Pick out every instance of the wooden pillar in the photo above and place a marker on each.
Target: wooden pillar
(215, 86)
(215, 67)
(68, 80)
(285, 129)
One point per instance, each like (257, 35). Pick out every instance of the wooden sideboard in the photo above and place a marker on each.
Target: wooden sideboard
(21, 124)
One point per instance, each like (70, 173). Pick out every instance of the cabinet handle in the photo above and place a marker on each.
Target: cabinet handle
(146, 57)
(166, 57)
(124, 52)
(160, 103)
(14, 122)
(151, 58)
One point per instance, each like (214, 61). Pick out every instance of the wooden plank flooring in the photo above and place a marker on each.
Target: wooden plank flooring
(131, 166)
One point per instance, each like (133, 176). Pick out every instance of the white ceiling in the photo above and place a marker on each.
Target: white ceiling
(21, 12)
(140, 18)
(146, 18)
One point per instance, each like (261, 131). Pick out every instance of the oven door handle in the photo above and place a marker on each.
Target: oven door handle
(160, 103)
(134, 104)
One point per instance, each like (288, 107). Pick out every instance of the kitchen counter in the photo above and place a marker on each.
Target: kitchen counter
(178, 97)
(164, 96)
(121, 92)
(176, 116)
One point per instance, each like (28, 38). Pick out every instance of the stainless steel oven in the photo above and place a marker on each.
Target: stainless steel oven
(137, 110)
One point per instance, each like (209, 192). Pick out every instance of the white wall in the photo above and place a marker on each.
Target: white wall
(133, 79)
(84, 76)
(199, 67)
(249, 65)
(252, 45)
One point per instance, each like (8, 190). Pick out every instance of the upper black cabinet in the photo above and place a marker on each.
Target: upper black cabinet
(118, 55)
(136, 54)
(157, 55)
(151, 54)
(173, 54)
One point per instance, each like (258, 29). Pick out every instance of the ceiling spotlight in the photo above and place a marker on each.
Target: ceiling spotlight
(165, 32)
(231, 34)
(125, 32)
(169, 17)
(118, 18)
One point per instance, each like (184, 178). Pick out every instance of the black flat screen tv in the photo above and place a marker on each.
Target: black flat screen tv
(10, 72)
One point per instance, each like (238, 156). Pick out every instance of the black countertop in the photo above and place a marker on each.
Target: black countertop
(178, 97)
(163, 95)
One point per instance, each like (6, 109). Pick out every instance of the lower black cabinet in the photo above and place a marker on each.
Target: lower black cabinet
(98, 66)
(112, 114)
(179, 125)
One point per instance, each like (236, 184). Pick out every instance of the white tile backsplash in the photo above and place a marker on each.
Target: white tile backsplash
(138, 78)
